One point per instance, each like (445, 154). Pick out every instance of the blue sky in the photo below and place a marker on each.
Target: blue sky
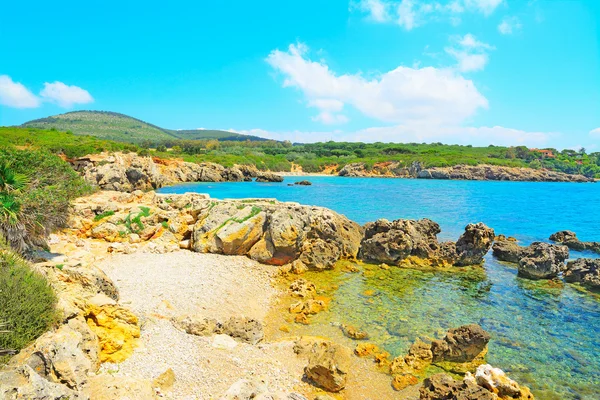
(460, 71)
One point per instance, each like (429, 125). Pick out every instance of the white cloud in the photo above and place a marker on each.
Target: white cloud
(64, 95)
(399, 96)
(377, 10)
(484, 6)
(329, 118)
(15, 94)
(595, 133)
(470, 53)
(418, 133)
(410, 14)
(509, 25)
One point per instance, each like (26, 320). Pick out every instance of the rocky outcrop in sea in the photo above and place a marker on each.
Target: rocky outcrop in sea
(569, 239)
(126, 172)
(585, 271)
(537, 261)
(412, 241)
(459, 172)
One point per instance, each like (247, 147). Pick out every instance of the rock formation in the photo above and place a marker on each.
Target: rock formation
(585, 271)
(536, 261)
(569, 239)
(462, 344)
(328, 366)
(462, 172)
(403, 240)
(127, 172)
(489, 383)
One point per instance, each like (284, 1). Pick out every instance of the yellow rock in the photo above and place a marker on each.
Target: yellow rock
(117, 328)
(165, 380)
(403, 381)
(365, 349)
(284, 328)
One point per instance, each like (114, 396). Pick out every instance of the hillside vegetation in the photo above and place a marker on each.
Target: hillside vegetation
(123, 128)
(313, 157)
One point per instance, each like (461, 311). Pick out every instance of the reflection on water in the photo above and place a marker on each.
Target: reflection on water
(544, 333)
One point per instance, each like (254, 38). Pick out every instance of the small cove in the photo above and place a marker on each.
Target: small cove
(546, 334)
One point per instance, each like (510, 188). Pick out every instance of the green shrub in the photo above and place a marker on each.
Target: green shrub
(103, 215)
(27, 302)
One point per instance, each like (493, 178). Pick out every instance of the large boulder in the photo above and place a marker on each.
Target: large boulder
(496, 381)
(585, 271)
(328, 366)
(507, 250)
(268, 177)
(25, 383)
(543, 261)
(569, 239)
(275, 233)
(396, 241)
(462, 344)
(474, 244)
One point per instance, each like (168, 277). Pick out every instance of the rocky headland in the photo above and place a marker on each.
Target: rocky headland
(127, 172)
(459, 172)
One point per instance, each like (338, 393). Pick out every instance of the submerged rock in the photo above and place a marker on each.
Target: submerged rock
(328, 366)
(462, 344)
(303, 183)
(353, 332)
(585, 271)
(418, 358)
(569, 239)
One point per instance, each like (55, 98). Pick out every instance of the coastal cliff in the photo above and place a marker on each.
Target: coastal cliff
(460, 172)
(127, 172)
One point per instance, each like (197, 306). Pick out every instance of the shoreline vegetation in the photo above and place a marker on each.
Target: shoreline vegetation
(77, 134)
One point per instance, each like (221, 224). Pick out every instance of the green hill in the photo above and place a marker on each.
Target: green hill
(123, 128)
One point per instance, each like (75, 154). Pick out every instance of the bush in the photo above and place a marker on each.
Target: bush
(27, 301)
(44, 202)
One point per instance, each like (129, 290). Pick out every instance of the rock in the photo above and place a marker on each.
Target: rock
(403, 240)
(418, 358)
(303, 183)
(543, 260)
(164, 381)
(462, 344)
(117, 328)
(268, 177)
(444, 387)
(366, 349)
(196, 325)
(324, 397)
(496, 381)
(328, 366)
(111, 387)
(275, 233)
(353, 332)
(245, 389)
(224, 342)
(536, 261)
(569, 239)
(245, 329)
(401, 382)
(128, 172)
(24, 383)
(585, 271)
(509, 251)
(303, 289)
(474, 244)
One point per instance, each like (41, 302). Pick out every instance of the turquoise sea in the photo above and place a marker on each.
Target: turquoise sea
(546, 334)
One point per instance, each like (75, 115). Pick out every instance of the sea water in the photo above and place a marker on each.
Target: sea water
(545, 334)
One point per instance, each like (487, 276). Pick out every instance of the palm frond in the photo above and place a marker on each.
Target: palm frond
(10, 180)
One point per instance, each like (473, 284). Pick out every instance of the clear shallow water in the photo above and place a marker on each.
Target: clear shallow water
(546, 334)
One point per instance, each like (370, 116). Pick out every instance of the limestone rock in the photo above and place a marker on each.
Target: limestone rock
(569, 239)
(401, 382)
(24, 383)
(509, 251)
(496, 381)
(444, 387)
(462, 344)
(164, 381)
(117, 328)
(303, 288)
(418, 358)
(585, 271)
(474, 244)
(196, 326)
(110, 387)
(328, 366)
(353, 332)
(543, 260)
(245, 329)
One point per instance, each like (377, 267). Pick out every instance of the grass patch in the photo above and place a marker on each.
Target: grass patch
(103, 215)
(27, 303)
